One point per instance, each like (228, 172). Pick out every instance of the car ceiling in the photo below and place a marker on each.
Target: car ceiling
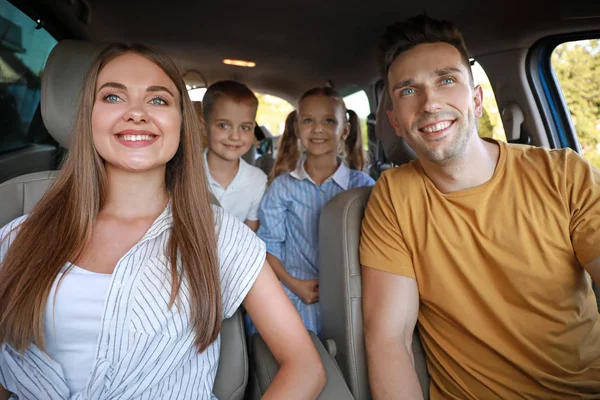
(300, 44)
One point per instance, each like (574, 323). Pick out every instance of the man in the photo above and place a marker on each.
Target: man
(485, 244)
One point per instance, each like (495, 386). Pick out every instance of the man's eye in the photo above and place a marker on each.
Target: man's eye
(407, 92)
(222, 125)
(447, 81)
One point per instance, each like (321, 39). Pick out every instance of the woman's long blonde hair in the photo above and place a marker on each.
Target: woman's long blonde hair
(61, 222)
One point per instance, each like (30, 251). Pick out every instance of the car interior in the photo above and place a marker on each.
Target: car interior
(48, 45)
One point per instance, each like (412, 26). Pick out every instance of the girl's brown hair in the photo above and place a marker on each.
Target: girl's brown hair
(61, 222)
(288, 153)
(353, 145)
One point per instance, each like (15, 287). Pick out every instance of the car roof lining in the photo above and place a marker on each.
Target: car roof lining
(300, 44)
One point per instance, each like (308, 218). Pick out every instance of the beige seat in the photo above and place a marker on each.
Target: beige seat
(62, 79)
(340, 287)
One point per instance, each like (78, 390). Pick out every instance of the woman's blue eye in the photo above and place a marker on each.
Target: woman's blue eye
(113, 98)
(158, 101)
(307, 121)
(245, 128)
(222, 125)
(330, 121)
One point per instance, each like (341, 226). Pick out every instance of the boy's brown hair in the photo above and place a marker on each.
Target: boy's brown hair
(233, 90)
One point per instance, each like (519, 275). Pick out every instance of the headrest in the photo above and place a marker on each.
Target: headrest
(62, 80)
(395, 148)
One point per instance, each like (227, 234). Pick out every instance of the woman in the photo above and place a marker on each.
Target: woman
(116, 284)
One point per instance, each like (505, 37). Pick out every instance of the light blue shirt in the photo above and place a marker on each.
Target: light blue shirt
(289, 226)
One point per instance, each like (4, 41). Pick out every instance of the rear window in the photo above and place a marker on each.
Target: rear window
(23, 53)
(490, 123)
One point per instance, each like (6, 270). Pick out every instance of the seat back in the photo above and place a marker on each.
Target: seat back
(340, 291)
(63, 76)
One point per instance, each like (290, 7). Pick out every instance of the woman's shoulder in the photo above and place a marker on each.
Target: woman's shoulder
(8, 233)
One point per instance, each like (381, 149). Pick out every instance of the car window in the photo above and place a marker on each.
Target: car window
(359, 103)
(23, 53)
(490, 123)
(577, 68)
(272, 112)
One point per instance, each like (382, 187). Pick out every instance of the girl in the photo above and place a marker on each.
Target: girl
(289, 213)
(116, 285)
(289, 151)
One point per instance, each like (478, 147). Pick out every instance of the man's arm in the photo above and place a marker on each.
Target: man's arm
(4, 394)
(593, 268)
(390, 310)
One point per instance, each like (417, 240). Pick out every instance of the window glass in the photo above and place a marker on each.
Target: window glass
(23, 53)
(490, 123)
(359, 103)
(272, 112)
(577, 68)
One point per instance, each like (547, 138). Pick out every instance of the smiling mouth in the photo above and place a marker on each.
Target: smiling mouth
(318, 141)
(440, 126)
(135, 138)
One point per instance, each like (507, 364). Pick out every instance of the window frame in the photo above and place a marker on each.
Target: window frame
(547, 91)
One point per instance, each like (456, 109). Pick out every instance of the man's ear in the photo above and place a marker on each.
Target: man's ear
(478, 101)
(394, 122)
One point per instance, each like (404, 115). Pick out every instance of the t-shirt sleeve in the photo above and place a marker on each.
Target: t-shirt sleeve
(382, 245)
(260, 182)
(583, 192)
(241, 257)
(8, 233)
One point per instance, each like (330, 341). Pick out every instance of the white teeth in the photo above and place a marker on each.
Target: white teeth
(135, 138)
(437, 127)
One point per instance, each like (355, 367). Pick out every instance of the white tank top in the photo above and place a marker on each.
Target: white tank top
(72, 323)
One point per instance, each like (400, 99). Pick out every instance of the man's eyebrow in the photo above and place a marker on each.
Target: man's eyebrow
(447, 71)
(114, 85)
(401, 84)
(159, 89)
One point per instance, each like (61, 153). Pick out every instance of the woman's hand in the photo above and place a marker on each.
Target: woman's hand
(301, 374)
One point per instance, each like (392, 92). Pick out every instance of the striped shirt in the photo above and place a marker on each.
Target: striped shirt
(145, 350)
(289, 225)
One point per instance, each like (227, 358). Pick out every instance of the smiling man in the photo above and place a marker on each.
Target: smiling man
(484, 244)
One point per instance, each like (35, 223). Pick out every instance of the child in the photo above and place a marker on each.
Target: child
(229, 110)
(289, 214)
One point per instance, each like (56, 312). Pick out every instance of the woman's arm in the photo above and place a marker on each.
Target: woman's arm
(301, 374)
(4, 394)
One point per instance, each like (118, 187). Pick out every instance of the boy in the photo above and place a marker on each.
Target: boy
(229, 110)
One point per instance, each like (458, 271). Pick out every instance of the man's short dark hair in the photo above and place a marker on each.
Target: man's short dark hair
(232, 90)
(403, 36)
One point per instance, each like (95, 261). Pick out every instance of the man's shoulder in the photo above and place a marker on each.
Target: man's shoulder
(402, 174)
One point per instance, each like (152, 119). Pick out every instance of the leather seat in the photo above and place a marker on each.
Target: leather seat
(62, 79)
(340, 289)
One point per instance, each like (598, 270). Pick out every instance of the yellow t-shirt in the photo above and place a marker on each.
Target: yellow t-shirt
(506, 308)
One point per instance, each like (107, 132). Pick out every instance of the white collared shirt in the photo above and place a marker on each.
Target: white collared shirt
(144, 350)
(245, 192)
